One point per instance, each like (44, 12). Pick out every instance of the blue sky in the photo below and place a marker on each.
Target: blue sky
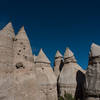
(55, 24)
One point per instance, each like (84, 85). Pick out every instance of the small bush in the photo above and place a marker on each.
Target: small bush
(67, 96)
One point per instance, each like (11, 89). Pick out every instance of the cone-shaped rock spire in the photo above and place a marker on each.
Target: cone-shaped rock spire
(58, 63)
(9, 29)
(58, 54)
(69, 56)
(22, 34)
(22, 48)
(69, 78)
(68, 53)
(47, 79)
(42, 58)
(95, 50)
(26, 83)
(92, 86)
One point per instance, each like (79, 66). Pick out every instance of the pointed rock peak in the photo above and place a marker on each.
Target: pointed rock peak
(94, 45)
(42, 58)
(9, 29)
(8, 26)
(58, 54)
(95, 50)
(68, 53)
(22, 34)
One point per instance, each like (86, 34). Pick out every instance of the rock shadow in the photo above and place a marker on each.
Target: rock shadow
(80, 79)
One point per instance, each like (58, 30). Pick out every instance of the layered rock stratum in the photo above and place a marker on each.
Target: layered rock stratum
(47, 79)
(71, 77)
(58, 63)
(92, 85)
(17, 72)
(24, 76)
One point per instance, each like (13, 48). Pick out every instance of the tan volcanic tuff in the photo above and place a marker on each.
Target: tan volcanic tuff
(26, 83)
(22, 49)
(6, 62)
(6, 48)
(71, 76)
(92, 85)
(46, 77)
(17, 71)
(58, 64)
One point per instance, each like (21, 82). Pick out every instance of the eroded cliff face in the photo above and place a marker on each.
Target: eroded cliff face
(17, 72)
(6, 48)
(24, 76)
(6, 63)
(47, 79)
(71, 77)
(92, 85)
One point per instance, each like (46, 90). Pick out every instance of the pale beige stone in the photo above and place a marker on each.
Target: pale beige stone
(58, 64)
(6, 63)
(17, 72)
(42, 58)
(46, 77)
(95, 50)
(34, 57)
(6, 48)
(70, 75)
(92, 85)
(25, 81)
(22, 49)
(9, 30)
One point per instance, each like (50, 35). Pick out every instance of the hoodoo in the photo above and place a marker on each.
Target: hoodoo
(71, 76)
(25, 80)
(22, 49)
(58, 64)
(92, 85)
(46, 77)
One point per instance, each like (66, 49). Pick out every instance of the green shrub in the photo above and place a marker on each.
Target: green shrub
(67, 96)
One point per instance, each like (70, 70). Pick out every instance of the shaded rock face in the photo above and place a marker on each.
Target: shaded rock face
(47, 79)
(92, 85)
(17, 74)
(58, 64)
(71, 77)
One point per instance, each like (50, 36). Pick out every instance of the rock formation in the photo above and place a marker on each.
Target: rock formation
(6, 48)
(58, 64)
(17, 73)
(71, 76)
(25, 78)
(46, 77)
(6, 62)
(92, 85)
(22, 49)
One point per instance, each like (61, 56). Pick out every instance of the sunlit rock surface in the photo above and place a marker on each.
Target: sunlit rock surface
(71, 77)
(17, 72)
(92, 85)
(47, 79)
(58, 63)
